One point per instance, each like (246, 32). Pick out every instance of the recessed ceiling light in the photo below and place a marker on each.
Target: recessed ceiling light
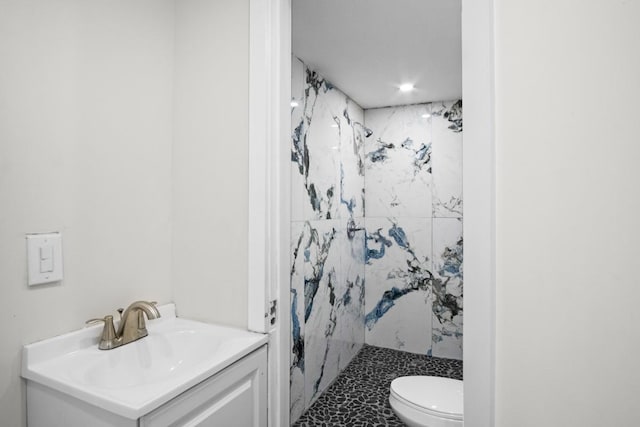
(426, 115)
(334, 125)
(294, 103)
(406, 87)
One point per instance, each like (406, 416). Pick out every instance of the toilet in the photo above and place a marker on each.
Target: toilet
(422, 401)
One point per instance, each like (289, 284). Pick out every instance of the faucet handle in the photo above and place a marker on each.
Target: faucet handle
(108, 337)
(94, 321)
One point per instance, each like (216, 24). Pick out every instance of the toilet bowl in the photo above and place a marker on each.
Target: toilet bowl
(422, 401)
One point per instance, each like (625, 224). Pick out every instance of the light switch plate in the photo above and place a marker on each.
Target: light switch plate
(44, 258)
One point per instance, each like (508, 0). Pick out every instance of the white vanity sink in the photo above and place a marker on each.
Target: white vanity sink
(172, 351)
(137, 378)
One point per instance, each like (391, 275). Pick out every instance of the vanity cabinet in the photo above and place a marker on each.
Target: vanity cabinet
(235, 396)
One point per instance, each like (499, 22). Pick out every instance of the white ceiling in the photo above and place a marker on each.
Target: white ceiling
(367, 48)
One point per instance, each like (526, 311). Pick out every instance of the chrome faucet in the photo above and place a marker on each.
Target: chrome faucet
(132, 325)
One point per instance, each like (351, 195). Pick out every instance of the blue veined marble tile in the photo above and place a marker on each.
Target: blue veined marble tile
(447, 159)
(297, 262)
(451, 113)
(299, 154)
(398, 280)
(330, 255)
(326, 144)
(349, 333)
(319, 252)
(322, 259)
(447, 288)
(296, 370)
(313, 162)
(398, 161)
(316, 252)
(351, 149)
(297, 338)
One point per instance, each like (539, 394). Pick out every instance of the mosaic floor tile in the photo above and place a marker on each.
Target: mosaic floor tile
(360, 395)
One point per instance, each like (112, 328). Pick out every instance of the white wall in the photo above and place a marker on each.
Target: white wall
(85, 149)
(210, 160)
(568, 213)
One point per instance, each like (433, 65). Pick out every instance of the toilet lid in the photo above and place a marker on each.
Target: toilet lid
(441, 396)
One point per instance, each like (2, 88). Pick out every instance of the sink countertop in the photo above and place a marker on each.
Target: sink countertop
(137, 378)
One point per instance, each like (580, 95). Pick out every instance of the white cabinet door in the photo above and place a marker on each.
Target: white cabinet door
(235, 397)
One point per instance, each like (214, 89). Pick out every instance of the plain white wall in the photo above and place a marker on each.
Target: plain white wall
(85, 149)
(568, 213)
(210, 160)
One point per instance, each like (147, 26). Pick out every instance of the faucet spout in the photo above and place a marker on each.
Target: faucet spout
(131, 329)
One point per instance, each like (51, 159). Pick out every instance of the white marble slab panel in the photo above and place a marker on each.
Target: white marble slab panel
(447, 159)
(322, 263)
(398, 161)
(297, 263)
(397, 302)
(298, 130)
(352, 201)
(327, 288)
(327, 149)
(447, 288)
(350, 291)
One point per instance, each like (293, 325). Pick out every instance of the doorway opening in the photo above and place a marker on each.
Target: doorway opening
(477, 54)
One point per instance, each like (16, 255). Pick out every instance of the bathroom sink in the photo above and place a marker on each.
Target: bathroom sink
(135, 378)
(159, 356)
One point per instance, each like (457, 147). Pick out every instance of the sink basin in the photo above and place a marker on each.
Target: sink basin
(151, 360)
(136, 378)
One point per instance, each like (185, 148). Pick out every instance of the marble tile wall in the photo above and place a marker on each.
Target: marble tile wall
(413, 221)
(327, 231)
(404, 164)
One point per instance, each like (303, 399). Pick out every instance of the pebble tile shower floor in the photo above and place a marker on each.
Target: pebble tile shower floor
(359, 397)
